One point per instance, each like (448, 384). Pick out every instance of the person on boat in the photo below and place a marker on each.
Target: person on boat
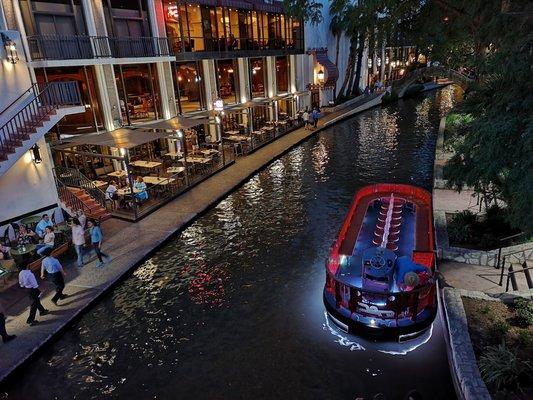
(407, 273)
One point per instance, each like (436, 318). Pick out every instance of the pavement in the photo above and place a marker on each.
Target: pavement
(85, 285)
(480, 278)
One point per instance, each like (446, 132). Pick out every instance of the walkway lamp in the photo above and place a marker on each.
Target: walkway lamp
(10, 48)
(320, 76)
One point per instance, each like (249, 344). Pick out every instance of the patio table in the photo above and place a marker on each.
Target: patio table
(154, 180)
(127, 191)
(146, 164)
(175, 170)
(23, 250)
(232, 132)
(117, 174)
(99, 183)
(196, 160)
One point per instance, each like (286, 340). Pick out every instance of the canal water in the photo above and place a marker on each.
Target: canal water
(231, 308)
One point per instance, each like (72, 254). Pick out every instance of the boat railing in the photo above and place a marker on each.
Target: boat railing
(383, 305)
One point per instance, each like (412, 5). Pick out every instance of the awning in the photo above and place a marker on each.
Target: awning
(321, 57)
(122, 138)
(178, 123)
(243, 5)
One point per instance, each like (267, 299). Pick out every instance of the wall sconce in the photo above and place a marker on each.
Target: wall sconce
(35, 154)
(369, 62)
(320, 76)
(11, 49)
(379, 61)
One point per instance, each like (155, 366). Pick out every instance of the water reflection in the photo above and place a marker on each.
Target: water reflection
(232, 307)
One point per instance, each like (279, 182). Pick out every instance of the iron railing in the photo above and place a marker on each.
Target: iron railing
(74, 178)
(54, 95)
(70, 200)
(71, 47)
(507, 260)
(202, 44)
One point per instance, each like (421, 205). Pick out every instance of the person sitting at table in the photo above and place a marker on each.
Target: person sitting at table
(111, 191)
(142, 194)
(4, 252)
(43, 223)
(48, 241)
(25, 236)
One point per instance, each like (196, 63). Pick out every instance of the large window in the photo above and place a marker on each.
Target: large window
(282, 74)
(49, 17)
(227, 80)
(188, 87)
(91, 119)
(127, 18)
(138, 92)
(257, 77)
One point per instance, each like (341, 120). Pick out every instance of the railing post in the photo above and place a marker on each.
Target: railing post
(501, 274)
(498, 259)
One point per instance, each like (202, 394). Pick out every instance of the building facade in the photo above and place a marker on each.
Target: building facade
(137, 63)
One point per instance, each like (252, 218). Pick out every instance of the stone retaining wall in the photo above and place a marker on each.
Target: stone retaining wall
(469, 384)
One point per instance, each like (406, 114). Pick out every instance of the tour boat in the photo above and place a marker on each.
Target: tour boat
(388, 229)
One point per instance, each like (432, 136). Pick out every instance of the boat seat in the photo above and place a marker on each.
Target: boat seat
(392, 246)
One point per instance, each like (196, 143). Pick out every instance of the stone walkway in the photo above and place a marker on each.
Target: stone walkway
(128, 243)
(471, 277)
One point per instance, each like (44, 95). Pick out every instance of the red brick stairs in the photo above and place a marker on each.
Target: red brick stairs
(92, 208)
(27, 125)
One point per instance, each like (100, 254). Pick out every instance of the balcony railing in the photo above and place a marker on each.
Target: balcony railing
(200, 44)
(61, 47)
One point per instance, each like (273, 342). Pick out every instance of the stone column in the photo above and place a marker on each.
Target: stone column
(244, 79)
(210, 87)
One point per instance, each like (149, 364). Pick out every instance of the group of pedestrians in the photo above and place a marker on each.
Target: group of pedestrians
(311, 118)
(53, 271)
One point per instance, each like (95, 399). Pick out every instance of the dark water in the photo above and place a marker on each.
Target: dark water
(232, 307)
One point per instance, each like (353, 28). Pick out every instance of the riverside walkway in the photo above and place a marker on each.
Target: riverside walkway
(129, 244)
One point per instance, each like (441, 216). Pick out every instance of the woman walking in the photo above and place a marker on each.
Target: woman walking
(96, 241)
(78, 240)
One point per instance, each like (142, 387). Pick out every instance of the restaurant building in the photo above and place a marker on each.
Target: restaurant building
(96, 92)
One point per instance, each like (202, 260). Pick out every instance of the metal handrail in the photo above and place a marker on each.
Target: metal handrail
(511, 273)
(65, 47)
(498, 259)
(69, 198)
(33, 87)
(506, 257)
(74, 178)
(53, 96)
(185, 44)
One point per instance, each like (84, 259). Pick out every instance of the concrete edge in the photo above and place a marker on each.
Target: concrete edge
(109, 285)
(372, 103)
(462, 360)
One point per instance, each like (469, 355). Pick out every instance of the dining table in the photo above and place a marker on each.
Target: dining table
(237, 138)
(232, 132)
(117, 174)
(145, 164)
(99, 183)
(127, 191)
(23, 250)
(174, 154)
(196, 160)
(175, 170)
(155, 180)
(209, 152)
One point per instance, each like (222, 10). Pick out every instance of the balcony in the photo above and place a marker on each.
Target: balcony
(60, 47)
(189, 47)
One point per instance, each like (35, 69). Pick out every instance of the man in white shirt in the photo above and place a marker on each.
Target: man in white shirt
(111, 191)
(27, 281)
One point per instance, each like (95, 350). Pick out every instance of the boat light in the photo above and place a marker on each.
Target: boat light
(392, 298)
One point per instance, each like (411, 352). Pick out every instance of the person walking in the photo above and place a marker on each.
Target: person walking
(96, 241)
(315, 115)
(78, 240)
(305, 118)
(52, 270)
(5, 337)
(27, 281)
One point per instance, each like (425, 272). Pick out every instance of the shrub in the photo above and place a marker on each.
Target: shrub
(501, 367)
(498, 329)
(461, 227)
(525, 338)
(524, 311)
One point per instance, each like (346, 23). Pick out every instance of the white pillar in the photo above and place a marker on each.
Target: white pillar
(244, 79)
(23, 38)
(271, 76)
(3, 21)
(210, 86)
(292, 74)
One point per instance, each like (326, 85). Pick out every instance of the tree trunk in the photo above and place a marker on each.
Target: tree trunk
(336, 63)
(349, 68)
(360, 50)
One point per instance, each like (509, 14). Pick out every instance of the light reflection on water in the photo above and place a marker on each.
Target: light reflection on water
(232, 307)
